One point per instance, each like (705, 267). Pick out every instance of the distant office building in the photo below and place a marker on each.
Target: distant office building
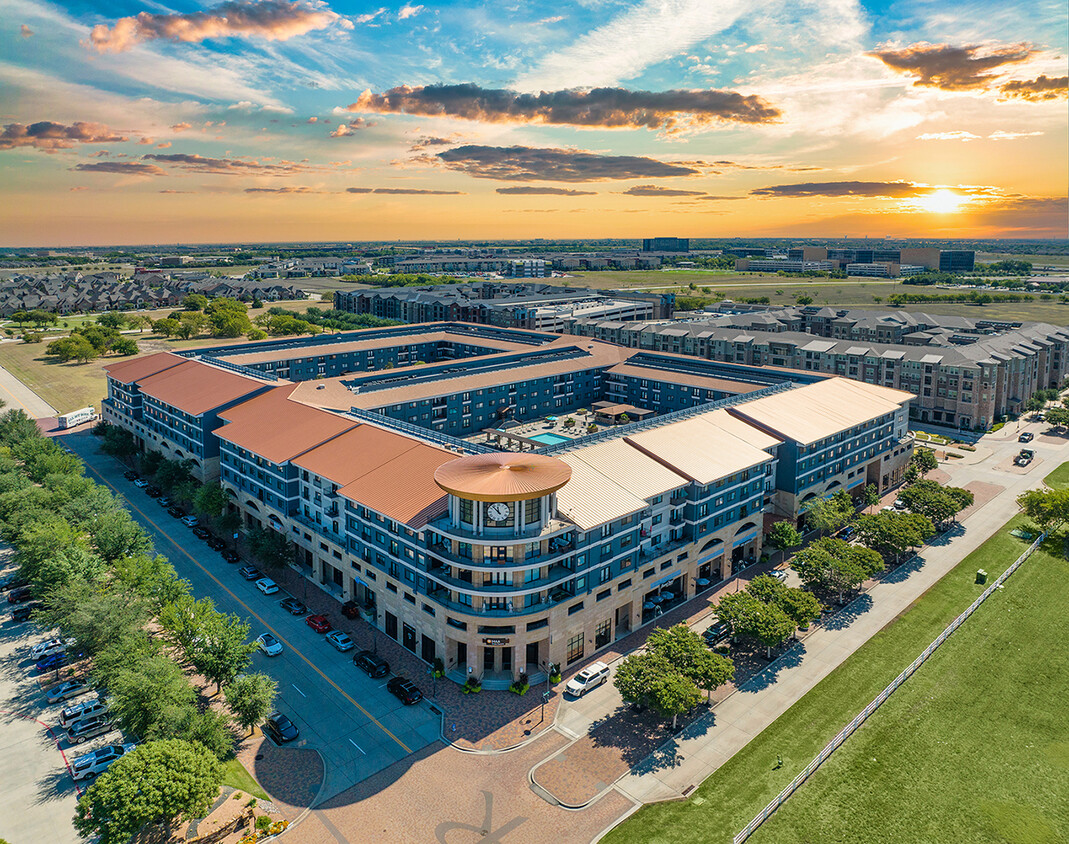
(526, 268)
(957, 260)
(666, 244)
(884, 269)
(775, 265)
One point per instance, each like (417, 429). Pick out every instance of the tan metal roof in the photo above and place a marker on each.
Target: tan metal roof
(590, 498)
(699, 449)
(817, 411)
(503, 477)
(195, 387)
(749, 434)
(704, 382)
(630, 468)
(278, 429)
(128, 371)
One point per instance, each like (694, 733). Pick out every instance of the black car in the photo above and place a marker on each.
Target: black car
(175, 511)
(374, 665)
(350, 609)
(130, 475)
(13, 581)
(230, 555)
(250, 573)
(404, 690)
(201, 532)
(216, 543)
(293, 606)
(23, 611)
(280, 728)
(20, 595)
(153, 491)
(716, 633)
(1026, 437)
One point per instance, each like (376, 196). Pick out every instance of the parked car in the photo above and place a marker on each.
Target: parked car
(319, 623)
(716, 633)
(215, 543)
(250, 573)
(175, 511)
(66, 690)
(153, 492)
(130, 475)
(198, 531)
(374, 665)
(589, 678)
(350, 609)
(230, 556)
(140, 483)
(96, 762)
(13, 581)
(1026, 437)
(89, 728)
(23, 611)
(280, 728)
(293, 606)
(268, 644)
(50, 646)
(20, 595)
(900, 504)
(52, 662)
(404, 690)
(76, 712)
(190, 521)
(341, 640)
(779, 574)
(847, 532)
(267, 585)
(164, 501)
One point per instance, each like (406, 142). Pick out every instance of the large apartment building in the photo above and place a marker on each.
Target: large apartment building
(966, 373)
(389, 480)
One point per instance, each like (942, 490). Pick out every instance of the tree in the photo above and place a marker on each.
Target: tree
(270, 548)
(892, 534)
(152, 577)
(939, 503)
(830, 514)
(156, 784)
(125, 346)
(770, 626)
(118, 442)
(195, 302)
(190, 324)
(140, 693)
(797, 604)
(185, 621)
(167, 327)
(870, 496)
(783, 536)
(1048, 508)
(97, 619)
(1058, 417)
(222, 653)
(75, 347)
(251, 699)
(924, 461)
(210, 501)
(651, 680)
(112, 320)
(172, 473)
(115, 534)
(685, 650)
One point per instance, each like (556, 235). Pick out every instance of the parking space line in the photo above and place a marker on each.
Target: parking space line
(357, 746)
(250, 611)
(302, 694)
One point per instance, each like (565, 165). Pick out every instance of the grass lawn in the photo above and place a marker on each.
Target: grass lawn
(1059, 478)
(235, 775)
(974, 748)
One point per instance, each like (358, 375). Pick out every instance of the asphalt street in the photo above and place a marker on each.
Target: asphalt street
(357, 726)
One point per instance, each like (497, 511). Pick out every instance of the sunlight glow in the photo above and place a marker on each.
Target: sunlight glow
(942, 201)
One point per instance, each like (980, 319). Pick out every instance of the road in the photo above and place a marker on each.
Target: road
(351, 720)
(16, 394)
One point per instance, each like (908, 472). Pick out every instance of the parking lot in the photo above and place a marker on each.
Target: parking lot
(349, 718)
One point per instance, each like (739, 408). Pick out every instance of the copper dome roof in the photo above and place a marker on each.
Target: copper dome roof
(502, 477)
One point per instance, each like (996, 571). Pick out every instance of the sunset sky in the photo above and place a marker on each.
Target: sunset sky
(268, 120)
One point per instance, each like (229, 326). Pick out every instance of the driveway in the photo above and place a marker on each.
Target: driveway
(351, 720)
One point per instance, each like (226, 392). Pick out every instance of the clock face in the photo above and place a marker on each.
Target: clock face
(498, 511)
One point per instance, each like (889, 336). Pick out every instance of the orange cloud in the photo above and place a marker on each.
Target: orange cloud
(122, 168)
(273, 20)
(1038, 89)
(25, 31)
(951, 68)
(49, 137)
(536, 164)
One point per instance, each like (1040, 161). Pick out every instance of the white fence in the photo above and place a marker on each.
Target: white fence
(860, 719)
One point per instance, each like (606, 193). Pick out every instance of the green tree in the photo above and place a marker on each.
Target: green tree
(116, 534)
(1058, 417)
(223, 651)
(95, 618)
(783, 536)
(112, 320)
(210, 501)
(186, 620)
(924, 461)
(172, 473)
(892, 534)
(75, 347)
(146, 688)
(685, 650)
(251, 699)
(651, 680)
(167, 327)
(154, 786)
(870, 496)
(195, 302)
(830, 514)
(125, 346)
(190, 324)
(270, 548)
(1048, 508)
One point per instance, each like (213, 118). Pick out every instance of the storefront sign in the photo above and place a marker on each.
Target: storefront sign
(495, 643)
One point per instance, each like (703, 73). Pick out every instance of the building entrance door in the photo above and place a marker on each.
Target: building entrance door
(462, 653)
(506, 659)
(427, 647)
(488, 659)
(532, 654)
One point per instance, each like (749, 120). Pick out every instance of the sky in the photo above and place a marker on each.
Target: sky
(137, 121)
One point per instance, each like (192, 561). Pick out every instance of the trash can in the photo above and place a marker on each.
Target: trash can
(981, 576)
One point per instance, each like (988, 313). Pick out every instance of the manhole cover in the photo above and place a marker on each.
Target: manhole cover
(259, 756)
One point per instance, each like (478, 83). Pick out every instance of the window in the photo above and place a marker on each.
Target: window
(574, 650)
(574, 608)
(604, 574)
(538, 625)
(648, 573)
(411, 599)
(391, 587)
(603, 595)
(623, 584)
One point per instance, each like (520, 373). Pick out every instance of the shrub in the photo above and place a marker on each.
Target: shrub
(263, 823)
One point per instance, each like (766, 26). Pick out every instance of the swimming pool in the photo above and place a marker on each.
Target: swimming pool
(549, 439)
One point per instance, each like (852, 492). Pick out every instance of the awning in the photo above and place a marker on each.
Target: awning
(742, 540)
(712, 555)
(855, 482)
(667, 579)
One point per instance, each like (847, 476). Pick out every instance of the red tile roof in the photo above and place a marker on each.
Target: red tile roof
(279, 429)
(128, 371)
(195, 387)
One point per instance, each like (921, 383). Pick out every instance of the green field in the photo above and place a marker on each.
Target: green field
(1059, 478)
(235, 775)
(974, 748)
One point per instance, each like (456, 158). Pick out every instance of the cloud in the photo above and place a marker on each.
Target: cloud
(170, 190)
(408, 12)
(956, 135)
(534, 164)
(144, 142)
(122, 168)
(616, 108)
(273, 20)
(881, 189)
(227, 166)
(49, 137)
(657, 190)
(287, 189)
(77, 188)
(999, 135)
(370, 16)
(553, 19)
(1038, 89)
(951, 68)
(407, 191)
(341, 131)
(711, 198)
(25, 31)
(530, 190)
(181, 127)
(164, 145)
(430, 141)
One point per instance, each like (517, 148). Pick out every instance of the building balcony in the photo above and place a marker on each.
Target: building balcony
(551, 529)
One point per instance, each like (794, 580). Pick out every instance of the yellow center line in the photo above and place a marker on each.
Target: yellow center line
(252, 613)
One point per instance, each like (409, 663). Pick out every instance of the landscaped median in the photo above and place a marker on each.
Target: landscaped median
(970, 749)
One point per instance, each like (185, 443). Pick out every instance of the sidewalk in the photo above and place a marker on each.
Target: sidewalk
(683, 762)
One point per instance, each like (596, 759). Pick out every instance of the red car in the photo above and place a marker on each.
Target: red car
(319, 623)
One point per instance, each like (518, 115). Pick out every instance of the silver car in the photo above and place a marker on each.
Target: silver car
(90, 764)
(89, 728)
(66, 690)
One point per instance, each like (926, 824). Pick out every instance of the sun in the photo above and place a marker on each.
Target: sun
(942, 201)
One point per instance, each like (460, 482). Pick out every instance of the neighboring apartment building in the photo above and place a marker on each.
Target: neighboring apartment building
(964, 373)
(500, 562)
